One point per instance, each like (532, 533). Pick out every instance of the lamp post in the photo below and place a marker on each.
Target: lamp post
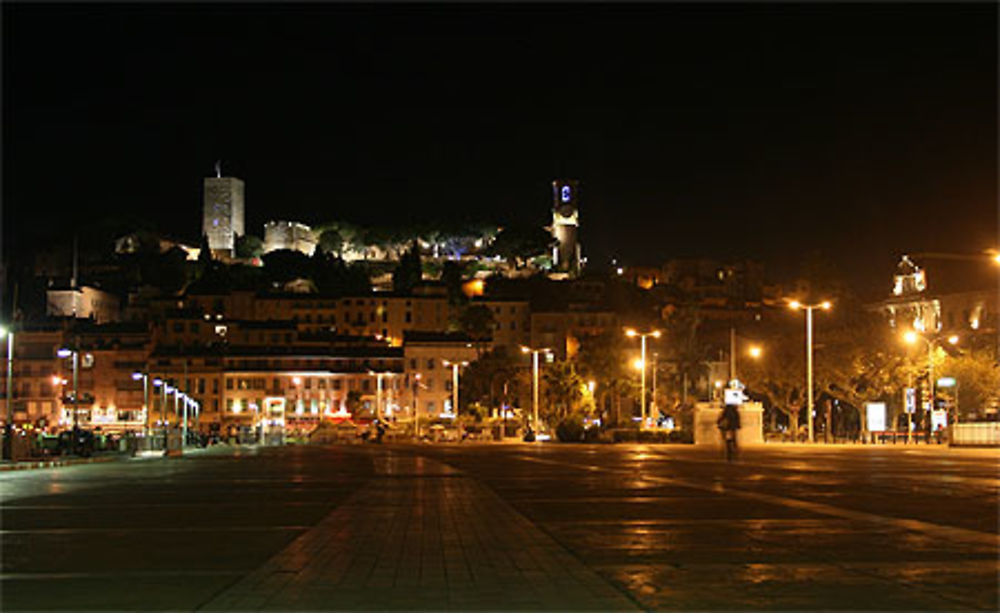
(808, 308)
(145, 396)
(416, 407)
(75, 354)
(184, 419)
(534, 383)
(654, 411)
(163, 385)
(631, 333)
(170, 389)
(189, 403)
(454, 382)
(8, 429)
(911, 337)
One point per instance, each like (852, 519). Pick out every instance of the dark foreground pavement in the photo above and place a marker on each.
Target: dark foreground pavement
(508, 527)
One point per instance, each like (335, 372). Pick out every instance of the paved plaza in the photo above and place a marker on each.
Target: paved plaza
(525, 527)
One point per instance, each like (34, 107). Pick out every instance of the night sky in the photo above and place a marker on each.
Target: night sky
(767, 131)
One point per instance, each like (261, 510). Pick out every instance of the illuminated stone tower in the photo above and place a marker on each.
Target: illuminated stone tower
(223, 212)
(565, 223)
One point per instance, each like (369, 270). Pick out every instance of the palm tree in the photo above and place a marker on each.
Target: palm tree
(563, 388)
(603, 360)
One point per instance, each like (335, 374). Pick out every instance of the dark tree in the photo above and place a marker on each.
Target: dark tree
(408, 272)
(451, 276)
(283, 265)
(205, 252)
(249, 246)
(477, 321)
(518, 244)
(331, 241)
(485, 380)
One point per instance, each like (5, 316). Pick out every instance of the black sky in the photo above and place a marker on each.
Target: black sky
(756, 130)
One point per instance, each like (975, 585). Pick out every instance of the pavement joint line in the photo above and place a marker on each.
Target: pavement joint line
(144, 529)
(963, 534)
(117, 574)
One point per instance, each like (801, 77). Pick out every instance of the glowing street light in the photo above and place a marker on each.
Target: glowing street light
(145, 395)
(911, 337)
(534, 383)
(66, 353)
(755, 352)
(8, 437)
(416, 406)
(641, 363)
(454, 382)
(808, 308)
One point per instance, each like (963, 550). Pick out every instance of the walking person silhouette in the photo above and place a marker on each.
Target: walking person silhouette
(729, 424)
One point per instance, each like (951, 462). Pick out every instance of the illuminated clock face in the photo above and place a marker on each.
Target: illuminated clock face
(565, 194)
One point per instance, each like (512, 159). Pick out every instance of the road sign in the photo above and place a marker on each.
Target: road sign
(910, 399)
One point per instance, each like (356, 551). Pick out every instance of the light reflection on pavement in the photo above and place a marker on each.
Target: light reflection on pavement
(672, 527)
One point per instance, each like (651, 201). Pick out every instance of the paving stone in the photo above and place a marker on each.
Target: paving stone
(420, 540)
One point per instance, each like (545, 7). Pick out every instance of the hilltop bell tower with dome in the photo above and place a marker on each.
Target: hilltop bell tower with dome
(565, 225)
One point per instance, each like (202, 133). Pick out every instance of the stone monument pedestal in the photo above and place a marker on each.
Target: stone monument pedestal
(706, 432)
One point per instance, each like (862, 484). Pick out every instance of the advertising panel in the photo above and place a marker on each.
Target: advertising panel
(939, 419)
(875, 412)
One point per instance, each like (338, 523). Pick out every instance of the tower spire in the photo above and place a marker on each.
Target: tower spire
(218, 169)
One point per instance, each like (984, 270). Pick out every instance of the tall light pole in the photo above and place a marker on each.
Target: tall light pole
(631, 333)
(145, 396)
(416, 406)
(911, 337)
(8, 429)
(162, 384)
(75, 354)
(653, 410)
(808, 308)
(534, 383)
(454, 382)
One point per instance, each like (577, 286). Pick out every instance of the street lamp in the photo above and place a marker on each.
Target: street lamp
(755, 352)
(534, 383)
(65, 353)
(416, 406)
(454, 382)
(162, 384)
(145, 395)
(911, 338)
(808, 308)
(8, 429)
(189, 403)
(641, 364)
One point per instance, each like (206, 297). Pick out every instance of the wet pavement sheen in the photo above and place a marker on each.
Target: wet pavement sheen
(525, 527)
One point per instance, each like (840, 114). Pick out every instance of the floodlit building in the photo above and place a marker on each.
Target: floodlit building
(223, 213)
(511, 320)
(82, 302)
(249, 374)
(289, 235)
(429, 382)
(944, 294)
(108, 398)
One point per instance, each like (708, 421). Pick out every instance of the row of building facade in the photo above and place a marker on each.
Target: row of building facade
(244, 357)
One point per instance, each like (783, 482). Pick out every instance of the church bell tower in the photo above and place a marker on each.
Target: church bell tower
(565, 225)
